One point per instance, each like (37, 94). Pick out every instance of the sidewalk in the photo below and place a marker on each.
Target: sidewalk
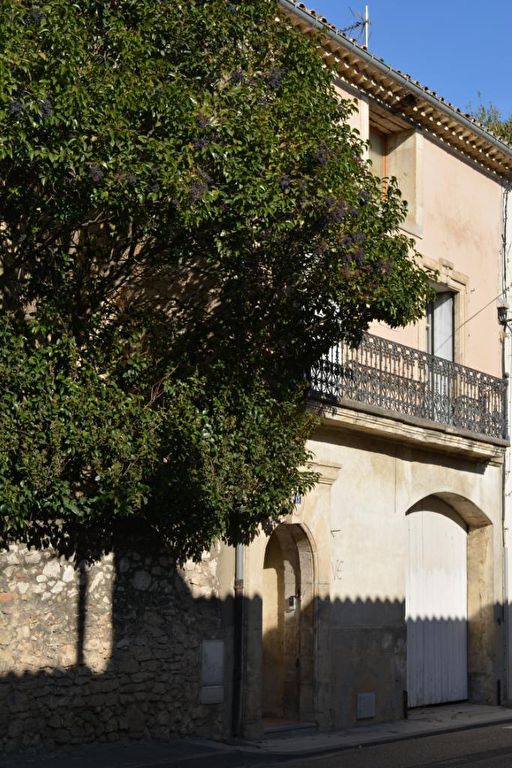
(276, 747)
(425, 721)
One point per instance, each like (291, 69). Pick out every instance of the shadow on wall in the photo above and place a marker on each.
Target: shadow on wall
(378, 662)
(114, 649)
(103, 648)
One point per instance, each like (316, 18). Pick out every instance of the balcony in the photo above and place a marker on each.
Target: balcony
(385, 375)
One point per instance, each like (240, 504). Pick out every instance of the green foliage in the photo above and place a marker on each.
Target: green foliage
(79, 447)
(73, 443)
(186, 225)
(230, 453)
(492, 119)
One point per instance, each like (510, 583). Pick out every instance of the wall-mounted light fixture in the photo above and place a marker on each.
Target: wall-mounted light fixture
(503, 315)
(292, 603)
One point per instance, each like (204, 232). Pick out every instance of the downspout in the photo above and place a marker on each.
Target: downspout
(238, 643)
(507, 475)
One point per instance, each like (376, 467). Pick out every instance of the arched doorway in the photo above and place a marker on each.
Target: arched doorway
(288, 626)
(436, 605)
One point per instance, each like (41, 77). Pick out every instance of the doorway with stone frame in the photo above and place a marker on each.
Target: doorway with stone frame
(288, 640)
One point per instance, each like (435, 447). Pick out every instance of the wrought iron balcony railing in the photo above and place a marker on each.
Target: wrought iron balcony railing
(406, 381)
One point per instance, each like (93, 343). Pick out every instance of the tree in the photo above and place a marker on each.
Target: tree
(186, 224)
(492, 119)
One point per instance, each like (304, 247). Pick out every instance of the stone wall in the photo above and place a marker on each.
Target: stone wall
(103, 651)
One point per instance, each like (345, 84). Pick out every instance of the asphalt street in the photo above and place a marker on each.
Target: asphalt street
(484, 747)
(489, 747)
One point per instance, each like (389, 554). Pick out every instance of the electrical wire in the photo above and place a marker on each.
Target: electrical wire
(467, 320)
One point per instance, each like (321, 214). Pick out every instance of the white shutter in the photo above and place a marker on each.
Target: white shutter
(443, 326)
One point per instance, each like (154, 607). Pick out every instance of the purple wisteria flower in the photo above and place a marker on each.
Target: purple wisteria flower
(338, 211)
(36, 15)
(16, 107)
(322, 156)
(198, 189)
(237, 77)
(45, 108)
(359, 256)
(275, 77)
(95, 172)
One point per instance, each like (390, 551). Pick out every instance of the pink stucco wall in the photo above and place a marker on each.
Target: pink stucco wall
(461, 236)
(462, 223)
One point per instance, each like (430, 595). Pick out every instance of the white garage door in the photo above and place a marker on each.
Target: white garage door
(436, 607)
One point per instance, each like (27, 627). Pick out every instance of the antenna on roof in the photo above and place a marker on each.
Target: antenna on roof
(362, 25)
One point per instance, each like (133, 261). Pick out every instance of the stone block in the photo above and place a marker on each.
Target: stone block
(136, 720)
(16, 727)
(127, 664)
(32, 557)
(52, 569)
(7, 597)
(68, 575)
(142, 580)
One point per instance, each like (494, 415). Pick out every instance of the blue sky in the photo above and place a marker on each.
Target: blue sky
(458, 48)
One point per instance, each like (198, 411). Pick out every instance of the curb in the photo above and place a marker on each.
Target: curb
(377, 741)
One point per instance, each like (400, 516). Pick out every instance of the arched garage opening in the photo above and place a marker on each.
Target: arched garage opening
(449, 603)
(288, 626)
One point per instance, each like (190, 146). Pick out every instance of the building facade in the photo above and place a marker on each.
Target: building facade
(386, 589)
(388, 586)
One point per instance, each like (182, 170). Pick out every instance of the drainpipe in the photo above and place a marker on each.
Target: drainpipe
(238, 643)
(507, 474)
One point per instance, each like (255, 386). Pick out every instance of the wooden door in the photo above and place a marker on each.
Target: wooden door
(436, 608)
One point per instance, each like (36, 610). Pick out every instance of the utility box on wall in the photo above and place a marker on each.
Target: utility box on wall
(212, 672)
(365, 706)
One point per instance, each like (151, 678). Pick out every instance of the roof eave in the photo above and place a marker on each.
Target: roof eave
(499, 163)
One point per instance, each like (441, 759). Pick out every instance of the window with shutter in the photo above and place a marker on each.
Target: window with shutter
(440, 330)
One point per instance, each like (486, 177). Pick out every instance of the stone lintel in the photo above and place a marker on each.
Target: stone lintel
(328, 471)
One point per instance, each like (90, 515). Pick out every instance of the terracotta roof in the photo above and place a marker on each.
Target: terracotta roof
(404, 96)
